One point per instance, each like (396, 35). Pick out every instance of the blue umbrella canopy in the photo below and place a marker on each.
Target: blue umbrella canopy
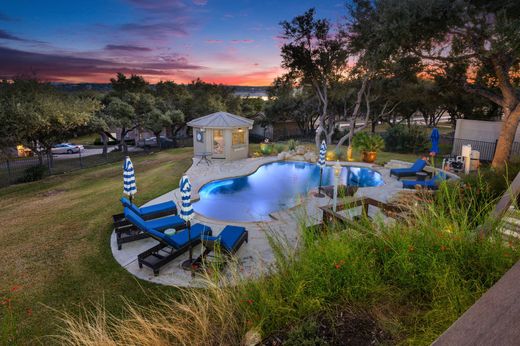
(129, 187)
(323, 152)
(186, 208)
(435, 141)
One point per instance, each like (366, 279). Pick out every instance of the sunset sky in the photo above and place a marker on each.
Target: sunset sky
(221, 41)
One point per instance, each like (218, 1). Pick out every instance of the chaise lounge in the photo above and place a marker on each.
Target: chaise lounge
(153, 211)
(229, 240)
(430, 184)
(170, 246)
(127, 231)
(418, 166)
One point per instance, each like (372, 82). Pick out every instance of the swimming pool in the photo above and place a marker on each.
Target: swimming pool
(273, 187)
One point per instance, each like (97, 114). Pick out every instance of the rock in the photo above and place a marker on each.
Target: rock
(298, 158)
(252, 338)
(300, 150)
(282, 155)
(310, 156)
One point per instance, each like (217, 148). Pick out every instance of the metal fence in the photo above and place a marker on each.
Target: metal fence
(486, 149)
(23, 169)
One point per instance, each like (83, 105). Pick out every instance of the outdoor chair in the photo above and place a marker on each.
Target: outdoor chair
(170, 246)
(418, 166)
(153, 211)
(430, 184)
(227, 243)
(127, 231)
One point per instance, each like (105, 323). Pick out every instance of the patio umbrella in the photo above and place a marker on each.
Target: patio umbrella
(186, 212)
(129, 187)
(435, 141)
(321, 163)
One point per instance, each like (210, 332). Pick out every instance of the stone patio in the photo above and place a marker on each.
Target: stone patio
(255, 257)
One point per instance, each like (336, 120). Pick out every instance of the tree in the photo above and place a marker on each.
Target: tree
(120, 114)
(287, 102)
(483, 35)
(43, 115)
(316, 56)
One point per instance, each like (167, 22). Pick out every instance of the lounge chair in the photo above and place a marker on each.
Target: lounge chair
(153, 211)
(418, 166)
(430, 184)
(228, 241)
(127, 231)
(170, 246)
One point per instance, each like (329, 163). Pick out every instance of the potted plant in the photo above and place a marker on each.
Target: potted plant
(369, 145)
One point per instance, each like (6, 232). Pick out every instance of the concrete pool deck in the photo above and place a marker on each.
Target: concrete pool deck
(255, 257)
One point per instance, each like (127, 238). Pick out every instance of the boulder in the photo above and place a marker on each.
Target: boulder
(300, 150)
(310, 157)
(297, 158)
(282, 155)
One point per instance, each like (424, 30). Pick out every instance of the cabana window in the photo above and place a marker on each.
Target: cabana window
(239, 137)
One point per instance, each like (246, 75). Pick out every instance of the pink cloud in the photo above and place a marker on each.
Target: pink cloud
(214, 41)
(243, 41)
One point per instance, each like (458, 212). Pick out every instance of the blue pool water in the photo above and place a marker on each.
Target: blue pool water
(273, 187)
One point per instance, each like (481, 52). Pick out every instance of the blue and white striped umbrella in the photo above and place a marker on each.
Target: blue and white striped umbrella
(323, 152)
(186, 208)
(129, 187)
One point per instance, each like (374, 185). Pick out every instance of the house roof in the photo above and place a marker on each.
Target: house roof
(221, 120)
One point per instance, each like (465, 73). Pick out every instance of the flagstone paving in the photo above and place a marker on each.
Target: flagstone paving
(255, 257)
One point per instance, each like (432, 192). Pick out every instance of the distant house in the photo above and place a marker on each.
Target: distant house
(275, 131)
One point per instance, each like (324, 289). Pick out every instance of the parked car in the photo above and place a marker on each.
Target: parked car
(152, 142)
(66, 148)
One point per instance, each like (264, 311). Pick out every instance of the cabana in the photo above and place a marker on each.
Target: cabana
(221, 135)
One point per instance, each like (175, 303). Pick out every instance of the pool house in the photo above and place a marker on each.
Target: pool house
(221, 135)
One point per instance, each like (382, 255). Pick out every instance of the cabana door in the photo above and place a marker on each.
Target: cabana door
(219, 144)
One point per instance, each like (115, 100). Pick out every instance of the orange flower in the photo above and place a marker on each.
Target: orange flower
(411, 248)
(443, 248)
(29, 312)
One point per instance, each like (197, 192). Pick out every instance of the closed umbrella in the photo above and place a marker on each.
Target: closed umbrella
(186, 213)
(434, 137)
(129, 187)
(321, 164)
(435, 141)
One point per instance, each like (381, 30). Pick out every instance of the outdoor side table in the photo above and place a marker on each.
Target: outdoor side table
(421, 176)
(204, 157)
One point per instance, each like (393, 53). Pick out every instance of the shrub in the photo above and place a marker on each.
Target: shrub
(279, 147)
(34, 173)
(266, 149)
(292, 144)
(403, 139)
(368, 142)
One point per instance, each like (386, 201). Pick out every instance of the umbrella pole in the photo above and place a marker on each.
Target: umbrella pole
(319, 187)
(188, 224)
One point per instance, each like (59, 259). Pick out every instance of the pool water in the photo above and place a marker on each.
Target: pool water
(273, 187)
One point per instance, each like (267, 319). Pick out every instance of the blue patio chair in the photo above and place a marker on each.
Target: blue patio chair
(170, 246)
(153, 211)
(418, 166)
(228, 241)
(430, 184)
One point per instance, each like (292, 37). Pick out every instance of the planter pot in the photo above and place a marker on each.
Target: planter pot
(369, 156)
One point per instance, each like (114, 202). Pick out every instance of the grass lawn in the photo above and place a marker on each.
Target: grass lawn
(55, 235)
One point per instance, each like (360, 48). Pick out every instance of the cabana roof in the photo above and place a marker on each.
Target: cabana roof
(221, 120)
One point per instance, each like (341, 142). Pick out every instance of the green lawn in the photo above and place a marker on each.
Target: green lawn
(55, 235)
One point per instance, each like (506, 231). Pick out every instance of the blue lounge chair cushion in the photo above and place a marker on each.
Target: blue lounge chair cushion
(153, 209)
(228, 237)
(430, 183)
(180, 238)
(418, 166)
(176, 240)
(157, 224)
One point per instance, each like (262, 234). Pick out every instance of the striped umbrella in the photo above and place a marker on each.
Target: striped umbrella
(129, 187)
(321, 164)
(186, 212)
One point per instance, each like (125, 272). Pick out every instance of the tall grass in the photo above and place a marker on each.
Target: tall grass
(414, 277)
